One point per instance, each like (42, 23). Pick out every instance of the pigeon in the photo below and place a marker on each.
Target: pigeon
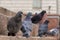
(43, 28)
(38, 17)
(27, 25)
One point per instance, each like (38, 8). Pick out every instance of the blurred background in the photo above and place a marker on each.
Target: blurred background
(9, 8)
(51, 6)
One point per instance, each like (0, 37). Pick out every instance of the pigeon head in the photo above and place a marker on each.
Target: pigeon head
(18, 16)
(28, 16)
(42, 13)
(46, 22)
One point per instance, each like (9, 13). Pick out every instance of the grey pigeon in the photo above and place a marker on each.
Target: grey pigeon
(27, 25)
(43, 28)
(54, 31)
